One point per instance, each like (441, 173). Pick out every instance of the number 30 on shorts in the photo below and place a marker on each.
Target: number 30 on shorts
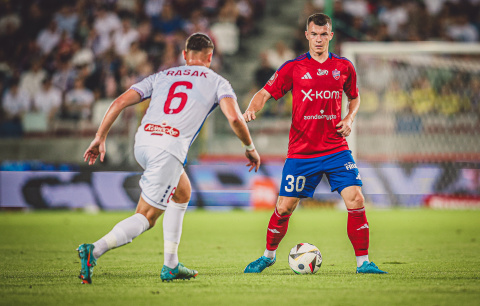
(292, 183)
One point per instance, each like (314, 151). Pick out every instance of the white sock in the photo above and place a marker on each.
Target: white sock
(172, 232)
(270, 254)
(361, 259)
(121, 234)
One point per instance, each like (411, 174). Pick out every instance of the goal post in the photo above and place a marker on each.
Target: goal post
(419, 101)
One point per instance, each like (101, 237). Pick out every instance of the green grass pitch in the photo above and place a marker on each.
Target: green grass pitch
(432, 258)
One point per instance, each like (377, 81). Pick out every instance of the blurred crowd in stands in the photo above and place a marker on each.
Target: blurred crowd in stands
(398, 20)
(59, 57)
(391, 21)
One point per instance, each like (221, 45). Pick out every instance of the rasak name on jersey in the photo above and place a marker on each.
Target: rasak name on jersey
(187, 72)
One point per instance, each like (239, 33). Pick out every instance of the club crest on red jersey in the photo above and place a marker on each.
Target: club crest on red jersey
(272, 79)
(336, 74)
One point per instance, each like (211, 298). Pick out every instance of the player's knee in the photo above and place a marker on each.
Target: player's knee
(181, 196)
(286, 207)
(357, 201)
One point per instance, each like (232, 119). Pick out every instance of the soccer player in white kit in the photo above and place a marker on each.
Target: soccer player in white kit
(181, 100)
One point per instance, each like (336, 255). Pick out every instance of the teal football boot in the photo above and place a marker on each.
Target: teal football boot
(88, 262)
(259, 265)
(179, 272)
(369, 268)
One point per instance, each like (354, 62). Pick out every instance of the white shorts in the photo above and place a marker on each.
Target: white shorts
(161, 176)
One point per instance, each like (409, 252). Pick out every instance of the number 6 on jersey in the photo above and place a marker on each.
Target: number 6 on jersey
(181, 95)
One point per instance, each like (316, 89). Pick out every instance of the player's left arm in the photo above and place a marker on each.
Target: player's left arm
(344, 127)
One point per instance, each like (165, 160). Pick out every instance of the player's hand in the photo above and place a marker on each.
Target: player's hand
(344, 127)
(249, 116)
(96, 148)
(254, 159)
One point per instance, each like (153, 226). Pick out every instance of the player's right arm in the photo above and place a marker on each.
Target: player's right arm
(97, 146)
(256, 104)
(278, 85)
(230, 109)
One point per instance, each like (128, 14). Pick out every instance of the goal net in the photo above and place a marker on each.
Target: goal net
(419, 101)
(420, 109)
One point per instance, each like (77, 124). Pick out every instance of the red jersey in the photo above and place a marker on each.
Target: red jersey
(317, 90)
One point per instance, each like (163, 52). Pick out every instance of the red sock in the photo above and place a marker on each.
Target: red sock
(358, 232)
(277, 228)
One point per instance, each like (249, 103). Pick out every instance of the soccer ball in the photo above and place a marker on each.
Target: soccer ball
(305, 258)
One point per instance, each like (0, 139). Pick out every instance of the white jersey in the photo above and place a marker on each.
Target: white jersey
(181, 100)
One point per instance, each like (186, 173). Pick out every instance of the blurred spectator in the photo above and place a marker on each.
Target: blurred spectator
(183, 8)
(227, 37)
(449, 103)
(78, 102)
(131, 7)
(210, 7)
(105, 24)
(462, 30)
(197, 23)
(135, 57)
(49, 38)
(37, 20)
(168, 21)
(31, 80)
(82, 56)
(245, 17)
(264, 72)
(15, 101)
(260, 77)
(67, 19)
(48, 99)
(225, 31)
(64, 75)
(279, 55)
(124, 37)
(155, 47)
(169, 58)
(423, 97)
(153, 8)
(394, 15)
(10, 21)
(308, 9)
(356, 8)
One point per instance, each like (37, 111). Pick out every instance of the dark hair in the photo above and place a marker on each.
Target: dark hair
(319, 19)
(198, 42)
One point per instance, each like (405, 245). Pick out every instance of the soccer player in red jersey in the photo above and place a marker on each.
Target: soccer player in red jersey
(317, 143)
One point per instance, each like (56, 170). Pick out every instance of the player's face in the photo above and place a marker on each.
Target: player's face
(318, 37)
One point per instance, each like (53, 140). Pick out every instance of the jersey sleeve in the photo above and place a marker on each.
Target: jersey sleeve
(225, 90)
(281, 82)
(145, 86)
(350, 87)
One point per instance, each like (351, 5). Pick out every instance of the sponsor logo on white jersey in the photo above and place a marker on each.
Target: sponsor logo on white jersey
(321, 116)
(350, 166)
(162, 129)
(321, 72)
(273, 231)
(365, 226)
(307, 76)
(323, 94)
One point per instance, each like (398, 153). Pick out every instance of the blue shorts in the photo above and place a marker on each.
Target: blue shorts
(301, 176)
